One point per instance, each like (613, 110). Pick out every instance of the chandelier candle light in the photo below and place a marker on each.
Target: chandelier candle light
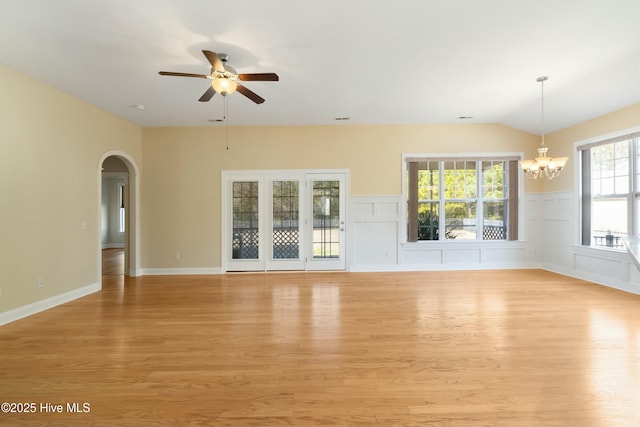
(543, 165)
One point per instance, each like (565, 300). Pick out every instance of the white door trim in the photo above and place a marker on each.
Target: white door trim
(267, 176)
(132, 235)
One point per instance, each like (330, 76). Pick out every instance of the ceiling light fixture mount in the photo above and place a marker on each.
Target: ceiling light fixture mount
(543, 166)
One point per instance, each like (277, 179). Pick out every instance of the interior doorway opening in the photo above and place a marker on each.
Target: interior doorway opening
(113, 227)
(118, 207)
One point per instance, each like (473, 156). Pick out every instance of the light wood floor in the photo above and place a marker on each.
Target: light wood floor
(112, 261)
(475, 348)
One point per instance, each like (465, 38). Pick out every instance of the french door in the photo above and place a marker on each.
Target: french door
(326, 222)
(284, 221)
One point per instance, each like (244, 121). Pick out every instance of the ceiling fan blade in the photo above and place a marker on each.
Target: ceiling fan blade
(214, 60)
(250, 94)
(171, 73)
(259, 77)
(207, 95)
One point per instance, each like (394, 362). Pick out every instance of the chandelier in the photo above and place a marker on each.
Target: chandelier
(543, 166)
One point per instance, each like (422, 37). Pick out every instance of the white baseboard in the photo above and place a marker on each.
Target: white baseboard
(594, 278)
(37, 307)
(135, 272)
(179, 271)
(113, 246)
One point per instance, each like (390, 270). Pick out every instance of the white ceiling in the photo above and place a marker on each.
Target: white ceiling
(406, 61)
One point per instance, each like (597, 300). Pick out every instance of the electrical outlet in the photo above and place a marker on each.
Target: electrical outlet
(0, 292)
(177, 255)
(40, 283)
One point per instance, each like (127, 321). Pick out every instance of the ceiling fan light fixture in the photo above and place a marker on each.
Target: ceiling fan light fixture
(224, 85)
(224, 79)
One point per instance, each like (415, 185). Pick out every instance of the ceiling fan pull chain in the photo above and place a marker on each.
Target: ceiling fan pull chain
(226, 120)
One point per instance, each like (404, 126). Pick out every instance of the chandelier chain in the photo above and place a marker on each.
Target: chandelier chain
(542, 79)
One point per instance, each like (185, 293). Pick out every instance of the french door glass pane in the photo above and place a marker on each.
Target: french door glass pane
(326, 219)
(285, 229)
(245, 220)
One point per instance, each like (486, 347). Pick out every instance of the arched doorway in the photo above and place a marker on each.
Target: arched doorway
(119, 209)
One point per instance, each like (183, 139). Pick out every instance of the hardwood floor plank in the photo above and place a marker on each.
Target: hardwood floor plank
(495, 348)
(112, 261)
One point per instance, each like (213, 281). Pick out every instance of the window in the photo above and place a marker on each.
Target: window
(462, 199)
(610, 190)
(121, 215)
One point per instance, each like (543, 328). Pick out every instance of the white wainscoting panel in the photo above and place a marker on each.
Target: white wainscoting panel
(507, 256)
(414, 257)
(532, 226)
(597, 262)
(560, 250)
(549, 239)
(466, 257)
(376, 243)
(559, 215)
(469, 255)
(374, 236)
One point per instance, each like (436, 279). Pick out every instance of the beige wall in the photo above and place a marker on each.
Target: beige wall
(181, 184)
(50, 145)
(561, 143)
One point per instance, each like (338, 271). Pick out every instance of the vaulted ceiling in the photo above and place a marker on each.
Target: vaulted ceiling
(375, 62)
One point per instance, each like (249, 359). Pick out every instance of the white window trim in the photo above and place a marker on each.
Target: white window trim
(578, 146)
(487, 155)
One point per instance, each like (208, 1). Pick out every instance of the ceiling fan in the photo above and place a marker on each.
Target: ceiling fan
(225, 79)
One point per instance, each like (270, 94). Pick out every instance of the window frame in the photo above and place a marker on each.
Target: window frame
(584, 179)
(511, 159)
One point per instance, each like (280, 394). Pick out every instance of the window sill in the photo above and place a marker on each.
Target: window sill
(434, 244)
(601, 252)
